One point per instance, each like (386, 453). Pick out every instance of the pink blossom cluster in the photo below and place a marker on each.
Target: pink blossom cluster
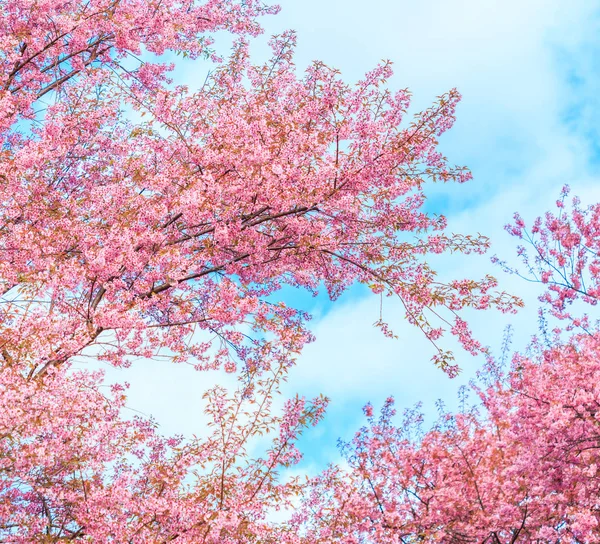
(564, 255)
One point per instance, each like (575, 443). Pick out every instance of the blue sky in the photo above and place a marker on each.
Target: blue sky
(530, 79)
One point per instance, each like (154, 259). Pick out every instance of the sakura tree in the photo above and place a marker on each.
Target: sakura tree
(519, 467)
(146, 219)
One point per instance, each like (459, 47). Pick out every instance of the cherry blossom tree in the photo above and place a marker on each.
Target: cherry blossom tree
(519, 466)
(142, 219)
